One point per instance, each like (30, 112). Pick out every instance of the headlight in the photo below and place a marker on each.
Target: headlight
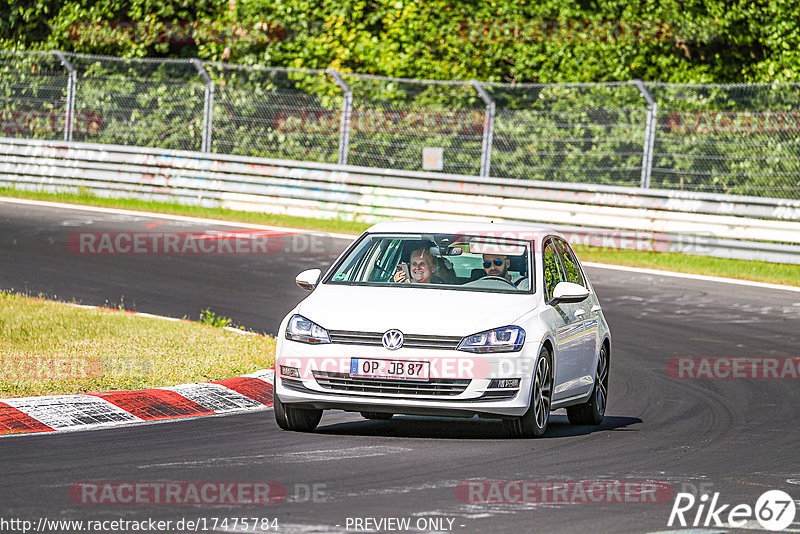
(301, 329)
(506, 339)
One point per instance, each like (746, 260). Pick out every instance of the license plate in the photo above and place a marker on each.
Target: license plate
(389, 369)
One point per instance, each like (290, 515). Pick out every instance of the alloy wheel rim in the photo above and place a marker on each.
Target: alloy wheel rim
(602, 381)
(541, 406)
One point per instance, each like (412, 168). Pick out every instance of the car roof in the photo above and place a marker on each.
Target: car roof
(501, 229)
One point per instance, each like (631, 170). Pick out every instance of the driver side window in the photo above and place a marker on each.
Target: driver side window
(552, 270)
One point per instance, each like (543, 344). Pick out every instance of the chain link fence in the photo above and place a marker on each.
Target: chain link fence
(733, 139)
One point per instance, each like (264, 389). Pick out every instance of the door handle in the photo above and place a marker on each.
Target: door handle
(596, 308)
(579, 312)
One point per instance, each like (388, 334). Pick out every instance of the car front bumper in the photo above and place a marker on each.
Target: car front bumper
(459, 382)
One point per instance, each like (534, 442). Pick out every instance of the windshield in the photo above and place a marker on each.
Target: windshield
(442, 261)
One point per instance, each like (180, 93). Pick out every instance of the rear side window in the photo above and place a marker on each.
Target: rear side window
(570, 262)
(552, 269)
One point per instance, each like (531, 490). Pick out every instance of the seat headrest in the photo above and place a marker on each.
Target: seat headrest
(519, 264)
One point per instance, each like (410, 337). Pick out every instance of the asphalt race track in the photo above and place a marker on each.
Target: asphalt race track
(739, 437)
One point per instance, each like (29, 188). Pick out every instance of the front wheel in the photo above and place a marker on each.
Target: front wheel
(534, 422)
(593, 411)
(299, 419)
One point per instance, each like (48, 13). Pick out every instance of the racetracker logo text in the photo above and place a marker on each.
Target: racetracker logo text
(23, 367)
(209, 242)
(722, 368)
(177, 493)
(451, 367)
(564, 492)
(29, 122)
(181, 32)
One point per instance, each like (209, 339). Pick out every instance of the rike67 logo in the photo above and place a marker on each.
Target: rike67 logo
(774, 510)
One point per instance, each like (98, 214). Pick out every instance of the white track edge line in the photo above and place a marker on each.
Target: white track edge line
(182, 218)
(701, 277)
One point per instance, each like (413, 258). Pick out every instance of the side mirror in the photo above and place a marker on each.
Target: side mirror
(568, 292)
(308, 279)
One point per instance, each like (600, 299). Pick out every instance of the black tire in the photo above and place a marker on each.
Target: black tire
(298, 419)
(534, 423)
(593, 411)
(376, 415)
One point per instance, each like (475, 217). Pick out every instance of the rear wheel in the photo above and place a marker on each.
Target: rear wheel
(534, 423)
(376, 415)
(593, 411)
(300, 419)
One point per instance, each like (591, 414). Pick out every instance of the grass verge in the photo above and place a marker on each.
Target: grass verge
(267, 219)
(49, 347)
(773, 273)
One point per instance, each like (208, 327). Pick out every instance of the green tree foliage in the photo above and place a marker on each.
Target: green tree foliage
(740, 140)
(698, 41)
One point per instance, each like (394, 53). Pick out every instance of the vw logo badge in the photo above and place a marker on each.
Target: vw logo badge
(392, 339)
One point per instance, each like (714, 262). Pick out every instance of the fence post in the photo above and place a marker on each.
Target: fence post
(347, 110)
(72, 76)
(208, 105)
(488, 128)
(649, 133)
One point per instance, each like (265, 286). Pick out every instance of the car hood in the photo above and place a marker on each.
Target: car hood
(412, 310)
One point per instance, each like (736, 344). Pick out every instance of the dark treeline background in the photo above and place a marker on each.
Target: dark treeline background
(697, 41)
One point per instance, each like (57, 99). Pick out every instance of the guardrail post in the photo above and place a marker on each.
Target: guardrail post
(208, 105)
(347, 111)
(72, 77)
(488, 128)
(649, 133)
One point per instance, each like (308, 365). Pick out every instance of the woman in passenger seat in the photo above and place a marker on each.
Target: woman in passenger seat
(422, 268)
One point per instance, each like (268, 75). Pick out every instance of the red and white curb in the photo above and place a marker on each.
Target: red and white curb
(60, 413)
(118, 408)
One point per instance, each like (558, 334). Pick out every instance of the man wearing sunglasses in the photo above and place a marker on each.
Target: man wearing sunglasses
(497, 265)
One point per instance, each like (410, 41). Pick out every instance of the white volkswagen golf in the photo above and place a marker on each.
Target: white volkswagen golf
(446, 319)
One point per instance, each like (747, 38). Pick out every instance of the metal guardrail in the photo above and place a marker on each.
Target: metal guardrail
(618, 217)
(735, 139)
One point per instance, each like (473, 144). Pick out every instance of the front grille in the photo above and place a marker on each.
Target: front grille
(440, 387)
(409, 341)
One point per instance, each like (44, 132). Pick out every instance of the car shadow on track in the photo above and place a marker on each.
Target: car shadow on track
(407, 426)
(559, 426)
